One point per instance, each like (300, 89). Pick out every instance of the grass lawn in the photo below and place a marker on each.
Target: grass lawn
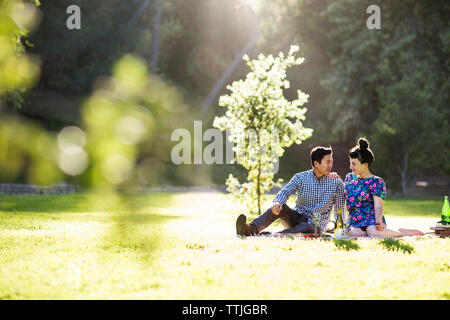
(183, 246)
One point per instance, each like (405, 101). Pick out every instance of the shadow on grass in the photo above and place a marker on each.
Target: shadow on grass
(346, 245)
(132, 222)
(395, 245)
(78, 202)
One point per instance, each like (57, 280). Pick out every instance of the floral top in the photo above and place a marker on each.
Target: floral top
(359, 194)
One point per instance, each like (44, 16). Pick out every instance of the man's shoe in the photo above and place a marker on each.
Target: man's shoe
(242, 227)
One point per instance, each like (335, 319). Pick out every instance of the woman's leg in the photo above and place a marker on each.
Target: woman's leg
(385, 233)
(411, 232)
(356, 232)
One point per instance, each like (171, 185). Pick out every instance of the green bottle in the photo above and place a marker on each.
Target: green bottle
(445, 215)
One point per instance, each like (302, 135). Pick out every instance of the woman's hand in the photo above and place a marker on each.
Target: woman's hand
(380, 226)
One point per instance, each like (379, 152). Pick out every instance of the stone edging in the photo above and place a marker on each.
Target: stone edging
(14, 188)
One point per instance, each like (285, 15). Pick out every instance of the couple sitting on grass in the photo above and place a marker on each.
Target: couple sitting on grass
(319, 190)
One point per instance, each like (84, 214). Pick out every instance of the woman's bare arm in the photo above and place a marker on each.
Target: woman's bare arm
(378, 203)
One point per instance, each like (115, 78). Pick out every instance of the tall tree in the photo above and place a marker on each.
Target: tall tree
(412, 128)
(392, 83)
(262, 122)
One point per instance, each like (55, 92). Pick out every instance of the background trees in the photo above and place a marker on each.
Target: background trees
(390, 85)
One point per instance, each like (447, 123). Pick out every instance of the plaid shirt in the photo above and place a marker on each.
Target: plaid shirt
(314, 194)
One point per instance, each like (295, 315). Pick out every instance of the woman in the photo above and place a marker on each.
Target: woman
(365, 193)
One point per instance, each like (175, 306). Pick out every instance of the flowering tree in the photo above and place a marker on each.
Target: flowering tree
(261, 122)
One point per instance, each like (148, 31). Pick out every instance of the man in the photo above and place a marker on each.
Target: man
(316, 192)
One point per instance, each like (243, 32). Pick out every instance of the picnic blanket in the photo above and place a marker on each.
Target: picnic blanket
(329, 236)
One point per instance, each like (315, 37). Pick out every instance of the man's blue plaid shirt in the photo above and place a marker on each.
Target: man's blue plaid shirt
(314, 194)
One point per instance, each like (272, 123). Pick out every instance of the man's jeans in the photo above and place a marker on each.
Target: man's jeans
(291, 220)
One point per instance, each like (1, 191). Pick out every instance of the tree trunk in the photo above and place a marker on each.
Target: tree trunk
(227, 73)
(258, 185)
(137, 14)
(156, 36)
(403, 173)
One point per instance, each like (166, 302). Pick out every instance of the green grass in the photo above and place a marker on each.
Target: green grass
(183, 246)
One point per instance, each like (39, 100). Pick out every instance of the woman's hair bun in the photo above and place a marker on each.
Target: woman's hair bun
(363, 143)
(362, 152)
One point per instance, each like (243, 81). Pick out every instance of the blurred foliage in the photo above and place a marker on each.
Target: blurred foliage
(27, 152)
(125, 120)
(115, 145)
(391, 85)
(198, 39)
(18, 70)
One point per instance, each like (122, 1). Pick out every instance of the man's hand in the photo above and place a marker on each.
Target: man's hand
(276, 208)
(331, 225)
(334, 175)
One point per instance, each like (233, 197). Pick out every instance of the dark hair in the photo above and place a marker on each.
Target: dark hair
(362, 152)
(318, 153)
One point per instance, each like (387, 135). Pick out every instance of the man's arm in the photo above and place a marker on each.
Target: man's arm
(284, 194)
(339, 199)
